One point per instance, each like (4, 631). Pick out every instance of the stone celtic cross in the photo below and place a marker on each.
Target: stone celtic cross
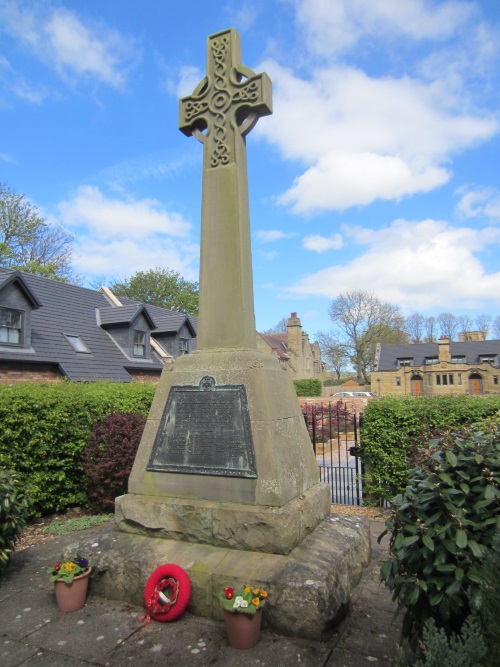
(224, 107)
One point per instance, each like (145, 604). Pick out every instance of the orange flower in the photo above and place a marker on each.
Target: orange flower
(256, 602)
(263, 594)
(255, 591)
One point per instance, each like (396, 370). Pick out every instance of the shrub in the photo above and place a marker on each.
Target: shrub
(44, 428)
(441, 528)
(466, 649)
(14, 510)
(393, 429)
(109, 456)
(308, 387)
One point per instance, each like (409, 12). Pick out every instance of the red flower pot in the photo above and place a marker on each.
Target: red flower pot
(71, 597)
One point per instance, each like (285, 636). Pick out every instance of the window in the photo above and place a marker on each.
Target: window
(495, 379)
(459, 378)
(77, 344)
(405, 362)
(458, 360)
(398, 382)
(487, 359)
(139, 343)
(451, 379)
(438, 379)
(431, 360)
(11, 326)
(183, 346)
(445, 378)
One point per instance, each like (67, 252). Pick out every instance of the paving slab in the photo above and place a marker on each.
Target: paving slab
(109, 633)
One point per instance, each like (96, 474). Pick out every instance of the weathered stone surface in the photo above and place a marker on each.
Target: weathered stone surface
(234, 525)
(309, 589)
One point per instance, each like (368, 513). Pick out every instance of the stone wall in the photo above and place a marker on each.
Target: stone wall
(12, 372)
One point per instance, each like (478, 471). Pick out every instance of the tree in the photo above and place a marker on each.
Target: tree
(358, 317)
(483, 323)
(430, 329)
(279, 327)
(30, 244)
(496, 326)
(414, 326)
(333, 354)
(160, 287)
(448, 325)
(465, 323)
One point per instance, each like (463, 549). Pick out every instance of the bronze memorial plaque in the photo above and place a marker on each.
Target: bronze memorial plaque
(205, 430)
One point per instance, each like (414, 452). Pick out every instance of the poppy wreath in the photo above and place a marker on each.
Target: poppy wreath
(167, 593)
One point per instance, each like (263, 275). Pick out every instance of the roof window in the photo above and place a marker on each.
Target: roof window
(77, 344)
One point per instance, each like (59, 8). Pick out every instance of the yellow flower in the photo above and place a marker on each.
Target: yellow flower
(263, 594)
(69, 566)
(255, 591)
(247, 589)
(256, 601)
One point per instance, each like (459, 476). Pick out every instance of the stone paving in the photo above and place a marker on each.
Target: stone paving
(33, 632)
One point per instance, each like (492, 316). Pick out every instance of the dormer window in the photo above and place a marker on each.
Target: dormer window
(431, 360)
(487, 358)
(405, 362)
(139, 343)
(183, 346)
(11, 326)
(458, 360)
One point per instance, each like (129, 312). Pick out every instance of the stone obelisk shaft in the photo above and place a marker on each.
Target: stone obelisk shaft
(222, 110)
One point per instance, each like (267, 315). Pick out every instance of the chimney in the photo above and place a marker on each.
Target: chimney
(444, 349)
(294, 330)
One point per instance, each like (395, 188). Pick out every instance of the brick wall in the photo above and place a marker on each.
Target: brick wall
(11, 372)
(143, 376)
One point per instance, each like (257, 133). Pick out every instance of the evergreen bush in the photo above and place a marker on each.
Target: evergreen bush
(308, 387)
(441, 529)
(14, 510)
(109, 456)
(44, 428)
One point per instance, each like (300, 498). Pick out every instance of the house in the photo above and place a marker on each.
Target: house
(438, 369)
(51, 330)
(294, 350)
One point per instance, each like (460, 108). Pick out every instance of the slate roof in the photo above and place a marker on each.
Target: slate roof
(122, 315)
(167, 321)
(71, 310)
(278, 342)
(472, 351)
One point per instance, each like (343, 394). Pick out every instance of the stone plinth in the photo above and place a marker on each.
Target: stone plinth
(309, 589)
(284, 456)
(234, 525)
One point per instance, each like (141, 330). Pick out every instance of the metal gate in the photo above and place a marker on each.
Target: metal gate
(334, 432)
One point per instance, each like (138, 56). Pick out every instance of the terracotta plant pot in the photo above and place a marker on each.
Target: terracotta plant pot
(71, 597)
(243, 630)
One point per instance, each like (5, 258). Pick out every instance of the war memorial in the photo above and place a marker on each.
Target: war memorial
(225, 483)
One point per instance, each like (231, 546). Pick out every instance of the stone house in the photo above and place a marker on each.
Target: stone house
(50, 330)
(446, 368)
(294, 350)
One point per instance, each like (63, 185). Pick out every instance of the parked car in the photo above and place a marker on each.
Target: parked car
(344, 394)
(365, 394)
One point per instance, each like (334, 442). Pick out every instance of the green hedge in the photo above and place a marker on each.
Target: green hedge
(308, 387)
(391, 425)
(44, 429)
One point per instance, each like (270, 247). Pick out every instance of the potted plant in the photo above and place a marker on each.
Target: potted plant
(71, 580)
(242, 608)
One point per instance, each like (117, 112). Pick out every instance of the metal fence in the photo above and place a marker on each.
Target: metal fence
(334, 432)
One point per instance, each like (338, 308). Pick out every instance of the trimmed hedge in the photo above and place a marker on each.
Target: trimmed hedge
(44, 429)
(308, 387)
(393, 429)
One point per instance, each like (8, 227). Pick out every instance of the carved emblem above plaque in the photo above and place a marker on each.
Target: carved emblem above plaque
(205, 430)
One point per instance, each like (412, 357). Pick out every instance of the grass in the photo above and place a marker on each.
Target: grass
(77, 523)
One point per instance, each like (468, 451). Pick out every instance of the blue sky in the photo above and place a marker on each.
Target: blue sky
(378, 170)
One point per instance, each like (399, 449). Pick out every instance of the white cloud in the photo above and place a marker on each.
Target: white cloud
(270, 235)
(187, 78)
(5, 157)
(62, 41)
(321, 243)
(117, 218)
(121, 236)
(269, 256)
(365, 138)
(411, 264)
(480, 202)
(336, 26)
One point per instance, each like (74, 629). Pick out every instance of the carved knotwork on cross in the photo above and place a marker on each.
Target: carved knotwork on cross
(231, 98)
